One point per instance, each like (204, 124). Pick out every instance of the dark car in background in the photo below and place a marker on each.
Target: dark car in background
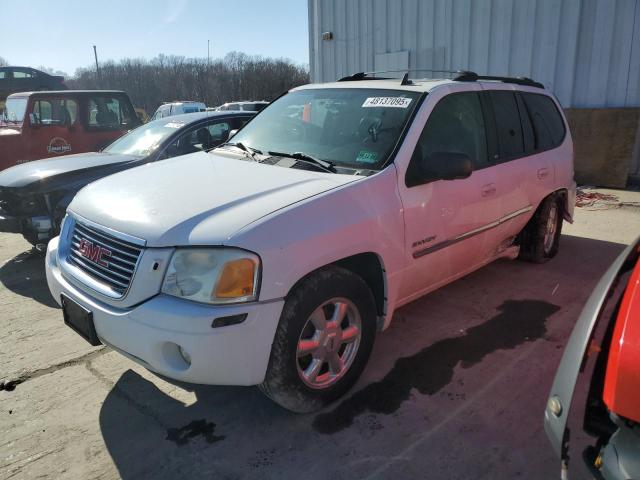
(26, 79)
(39, 125)
(34, 196)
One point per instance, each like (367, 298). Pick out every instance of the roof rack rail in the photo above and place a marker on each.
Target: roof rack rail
(460, 76)
(370, 75)
(466, 76)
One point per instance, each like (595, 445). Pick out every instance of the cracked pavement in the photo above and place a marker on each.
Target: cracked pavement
(449, 389)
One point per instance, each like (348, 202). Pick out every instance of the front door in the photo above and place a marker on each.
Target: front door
(53, 127)
(447, 222)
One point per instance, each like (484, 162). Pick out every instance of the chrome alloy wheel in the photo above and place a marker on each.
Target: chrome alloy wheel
(328, 343)
(552, 226)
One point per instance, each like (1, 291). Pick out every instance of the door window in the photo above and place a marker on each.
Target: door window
(456, 124)
(52, 112)
(110, 113)
(548, 127)
(21, 74)
(508, 126)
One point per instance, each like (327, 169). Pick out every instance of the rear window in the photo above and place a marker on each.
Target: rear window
(508, 127)
(548, 126)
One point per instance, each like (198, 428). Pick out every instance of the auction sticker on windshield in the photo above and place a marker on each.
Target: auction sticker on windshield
(393, 102)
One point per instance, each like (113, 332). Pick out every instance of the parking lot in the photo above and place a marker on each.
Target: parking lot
(456, 387)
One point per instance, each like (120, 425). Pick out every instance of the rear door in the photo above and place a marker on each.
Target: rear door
(23, 80)
(511, 163)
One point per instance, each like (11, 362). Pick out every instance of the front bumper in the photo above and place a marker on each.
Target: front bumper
(151, 332)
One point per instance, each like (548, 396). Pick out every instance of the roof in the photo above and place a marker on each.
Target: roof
(182, 102)
(63, 92)
(196, 116)
(246, 101)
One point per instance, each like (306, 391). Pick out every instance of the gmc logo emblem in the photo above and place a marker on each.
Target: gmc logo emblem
(95, 253)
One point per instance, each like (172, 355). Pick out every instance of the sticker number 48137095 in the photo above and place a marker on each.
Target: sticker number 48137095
(393, 102)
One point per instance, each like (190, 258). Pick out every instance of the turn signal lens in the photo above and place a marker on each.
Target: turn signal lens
(236, 280)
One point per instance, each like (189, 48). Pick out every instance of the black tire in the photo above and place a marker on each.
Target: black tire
(534, 246)
(283, 383)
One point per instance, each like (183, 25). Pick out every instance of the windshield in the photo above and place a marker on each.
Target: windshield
(14, 110)
(146, 139)
(354, 128)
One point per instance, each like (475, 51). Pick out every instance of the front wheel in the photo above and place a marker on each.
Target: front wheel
(323, 340)
(540, 238)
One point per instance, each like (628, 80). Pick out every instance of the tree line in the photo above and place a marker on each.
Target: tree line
(237, 76)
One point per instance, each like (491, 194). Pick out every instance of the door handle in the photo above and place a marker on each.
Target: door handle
(488, 189)
(543, 173)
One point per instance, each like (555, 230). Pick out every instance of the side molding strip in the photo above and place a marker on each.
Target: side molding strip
(471, 233)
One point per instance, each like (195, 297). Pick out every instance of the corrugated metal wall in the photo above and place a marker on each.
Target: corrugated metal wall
(586, 51)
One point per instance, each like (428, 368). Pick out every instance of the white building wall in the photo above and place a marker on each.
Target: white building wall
(586, 51)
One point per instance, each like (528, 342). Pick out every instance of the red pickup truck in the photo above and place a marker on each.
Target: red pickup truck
(38, 125)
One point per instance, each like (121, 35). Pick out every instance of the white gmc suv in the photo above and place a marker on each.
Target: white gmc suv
(274, 259)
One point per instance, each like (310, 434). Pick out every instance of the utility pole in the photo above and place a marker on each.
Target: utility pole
(95, 54)
(208, 53)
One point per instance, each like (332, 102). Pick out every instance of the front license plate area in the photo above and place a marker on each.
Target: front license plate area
(80, 320)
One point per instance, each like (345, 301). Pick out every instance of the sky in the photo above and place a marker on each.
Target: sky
(60, 34)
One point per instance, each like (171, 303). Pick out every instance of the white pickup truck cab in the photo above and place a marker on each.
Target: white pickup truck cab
(273, 260)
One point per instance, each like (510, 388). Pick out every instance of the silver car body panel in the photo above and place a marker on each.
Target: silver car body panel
(567, 374)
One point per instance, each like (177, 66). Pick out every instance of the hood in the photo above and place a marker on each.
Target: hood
(42, 172)
(6, 130)
(197, 199)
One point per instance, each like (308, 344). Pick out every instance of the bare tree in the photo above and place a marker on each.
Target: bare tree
(3, 62)
(167, 78)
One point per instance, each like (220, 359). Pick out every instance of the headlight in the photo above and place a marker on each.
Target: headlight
(213, 275)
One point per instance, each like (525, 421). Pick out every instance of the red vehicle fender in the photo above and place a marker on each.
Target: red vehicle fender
(622, 378)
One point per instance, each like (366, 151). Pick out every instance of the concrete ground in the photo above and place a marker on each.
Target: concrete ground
(456, 388)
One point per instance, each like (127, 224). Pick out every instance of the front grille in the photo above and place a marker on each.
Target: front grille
(115, 270)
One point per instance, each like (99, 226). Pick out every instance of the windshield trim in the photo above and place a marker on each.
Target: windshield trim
(392, 156)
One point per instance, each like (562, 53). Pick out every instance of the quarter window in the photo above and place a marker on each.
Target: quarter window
(456, 124)
(548, 127)
(509, 129)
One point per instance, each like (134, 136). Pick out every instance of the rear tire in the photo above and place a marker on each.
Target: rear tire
(323, 341)
(540, 238)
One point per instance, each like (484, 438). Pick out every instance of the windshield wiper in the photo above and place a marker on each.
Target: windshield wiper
(303, 157)
(250, 151)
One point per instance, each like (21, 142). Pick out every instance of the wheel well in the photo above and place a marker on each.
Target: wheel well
(369, 267)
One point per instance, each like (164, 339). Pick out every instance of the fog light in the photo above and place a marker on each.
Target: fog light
(555, 406)
(185, 356)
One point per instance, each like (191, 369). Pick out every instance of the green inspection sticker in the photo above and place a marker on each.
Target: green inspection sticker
(366, 157)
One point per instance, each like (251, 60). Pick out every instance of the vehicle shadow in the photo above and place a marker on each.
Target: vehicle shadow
(25, 275)
(414, 377)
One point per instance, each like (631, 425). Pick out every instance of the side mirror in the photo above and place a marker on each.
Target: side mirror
(232, 133)
(442, 166)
